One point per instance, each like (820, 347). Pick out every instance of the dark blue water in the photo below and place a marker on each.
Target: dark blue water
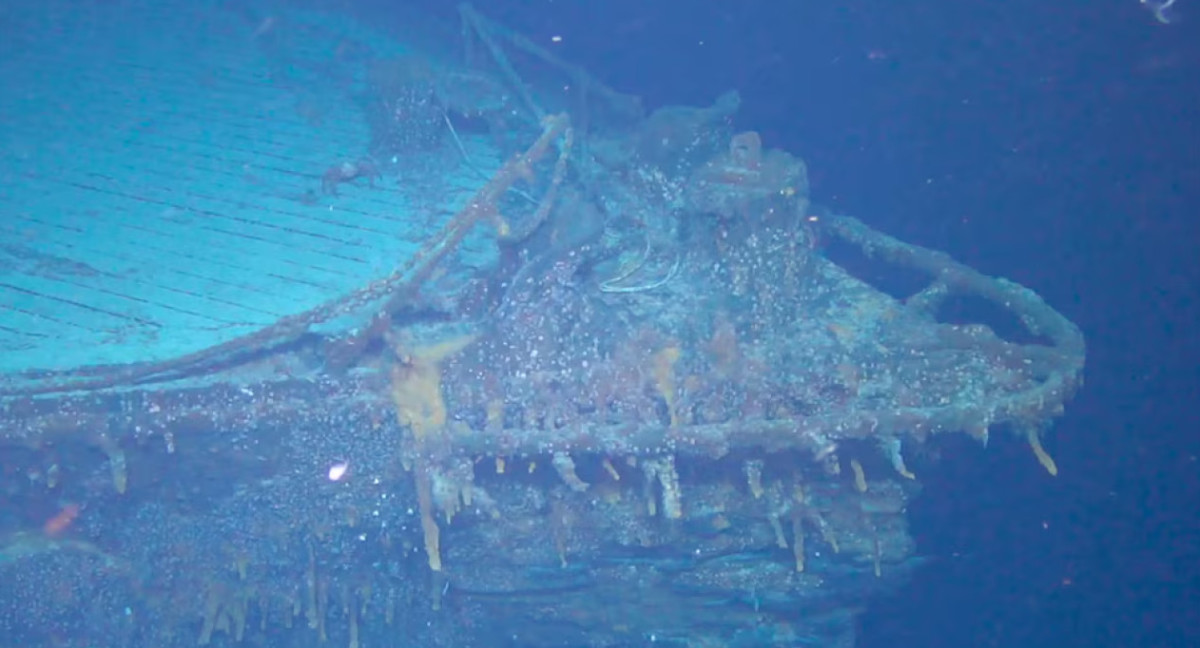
(1056, 143)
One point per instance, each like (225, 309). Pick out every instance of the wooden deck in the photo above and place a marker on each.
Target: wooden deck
(161, 187)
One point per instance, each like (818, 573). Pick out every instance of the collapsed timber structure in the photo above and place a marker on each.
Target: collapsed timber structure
(618, 394)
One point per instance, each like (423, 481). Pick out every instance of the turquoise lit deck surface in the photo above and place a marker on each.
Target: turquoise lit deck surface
(162, 195)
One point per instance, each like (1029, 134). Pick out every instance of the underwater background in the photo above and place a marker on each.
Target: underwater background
(1056, 144)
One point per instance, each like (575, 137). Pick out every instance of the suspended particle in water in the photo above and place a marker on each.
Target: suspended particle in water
(1161, 9)
(338, 470)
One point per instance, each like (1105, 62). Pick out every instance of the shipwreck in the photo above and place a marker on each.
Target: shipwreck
(315, 335)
